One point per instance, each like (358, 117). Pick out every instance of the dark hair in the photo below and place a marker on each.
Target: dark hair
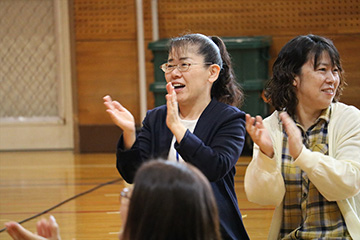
(225, 89)
(171, 200)
(280, 89)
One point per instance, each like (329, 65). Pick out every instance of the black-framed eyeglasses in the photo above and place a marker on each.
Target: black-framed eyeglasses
(182, 67)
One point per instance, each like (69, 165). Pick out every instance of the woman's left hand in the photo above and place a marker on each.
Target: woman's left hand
(172, 118)
(46, 230)
(294, 135)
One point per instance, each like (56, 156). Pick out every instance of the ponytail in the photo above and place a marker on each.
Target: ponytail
(226, 89)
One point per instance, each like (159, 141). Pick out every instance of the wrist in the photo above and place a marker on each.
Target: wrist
(269, 153)
(179, 132)
(129, 131)
(296, 153)
(129, 138)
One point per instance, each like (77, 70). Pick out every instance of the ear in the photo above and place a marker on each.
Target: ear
(296, 81)
(214, 71)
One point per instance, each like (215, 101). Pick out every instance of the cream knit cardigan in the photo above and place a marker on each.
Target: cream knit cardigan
(336, 176)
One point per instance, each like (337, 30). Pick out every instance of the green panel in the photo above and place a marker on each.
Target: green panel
(160, 52)
(250, 56)
(247, 42)
(254, 104)
(159, 91)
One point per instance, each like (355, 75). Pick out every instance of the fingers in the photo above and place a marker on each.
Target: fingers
(118, 106)
(42, 228)
(172, 118)
(284, 117)
(52, 221)
(252, 121)
(169, 88)
(289, 124)
(12, 230)
(253, 124)
(108, 102)
(259, 134)
(54, 227)
(107, 98)
(259, 120)
(18, 232)
(249, 120)
(249, 125)
(294, 135)
(48, 229)
(171, 96)
(112, 105)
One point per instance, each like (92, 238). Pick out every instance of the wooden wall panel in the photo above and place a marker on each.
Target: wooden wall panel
(104, 19)
(106, 68)
(258, 17)
(348, 46)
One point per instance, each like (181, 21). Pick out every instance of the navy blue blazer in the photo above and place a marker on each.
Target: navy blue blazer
(214, 148)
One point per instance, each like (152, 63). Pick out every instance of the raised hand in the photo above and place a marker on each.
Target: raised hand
(259, 134)
(119, 115)
(46, 230)
(294, 135)
(123, 119)
(172, 118)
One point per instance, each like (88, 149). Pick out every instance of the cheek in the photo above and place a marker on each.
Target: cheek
(337, 82)
(168, 77)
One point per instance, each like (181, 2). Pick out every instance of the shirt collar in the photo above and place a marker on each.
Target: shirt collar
(324, 116)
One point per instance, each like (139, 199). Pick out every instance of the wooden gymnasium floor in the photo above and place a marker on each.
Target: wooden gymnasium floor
(33, 182)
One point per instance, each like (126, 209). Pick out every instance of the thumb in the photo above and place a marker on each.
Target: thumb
(18, 232)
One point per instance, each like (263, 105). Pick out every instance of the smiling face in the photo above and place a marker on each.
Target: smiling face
(194, 85)
(316, 86)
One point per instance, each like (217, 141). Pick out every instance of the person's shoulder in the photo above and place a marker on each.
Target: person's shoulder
(273, 117)
(219, 113)
(272, 121)
(226, 108)
(156, 112)
(340, 109)
(344, 117)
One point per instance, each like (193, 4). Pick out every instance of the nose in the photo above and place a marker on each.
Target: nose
(172, 75)
(176, 73)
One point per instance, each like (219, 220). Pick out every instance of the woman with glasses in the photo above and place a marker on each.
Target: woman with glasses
(200, 123)
(169, 200)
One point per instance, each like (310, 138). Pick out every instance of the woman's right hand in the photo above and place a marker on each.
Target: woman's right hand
(259, 134)
(123, 119)
(119, 115)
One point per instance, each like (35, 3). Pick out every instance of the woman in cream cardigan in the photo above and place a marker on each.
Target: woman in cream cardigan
(306, 158)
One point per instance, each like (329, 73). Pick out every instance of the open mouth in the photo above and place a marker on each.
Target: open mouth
(178, 86)
(328, 91)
